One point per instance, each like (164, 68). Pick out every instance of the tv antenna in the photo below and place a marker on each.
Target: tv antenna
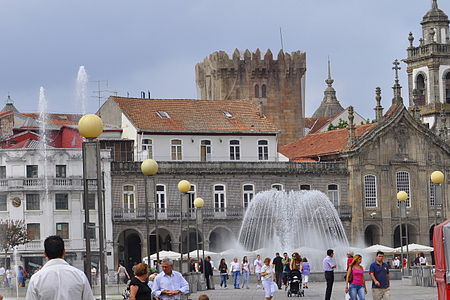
(99, 93)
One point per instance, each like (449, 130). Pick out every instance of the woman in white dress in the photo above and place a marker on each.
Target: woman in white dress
(267, 275)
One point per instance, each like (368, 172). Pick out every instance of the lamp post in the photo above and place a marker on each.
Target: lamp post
(184, 187)
(401, 197)
(198, 204)
(90, 127)
(437, 177)
(149, 167)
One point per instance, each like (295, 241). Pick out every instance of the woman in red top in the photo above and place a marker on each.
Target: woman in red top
(357, 282)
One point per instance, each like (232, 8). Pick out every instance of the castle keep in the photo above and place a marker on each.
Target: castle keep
(277, 85)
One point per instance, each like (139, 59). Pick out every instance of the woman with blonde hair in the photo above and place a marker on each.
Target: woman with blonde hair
(354, 281)
(139, 290)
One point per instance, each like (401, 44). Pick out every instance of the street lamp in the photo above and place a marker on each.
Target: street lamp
(149, 167)
(198, 204)
(402, 196)
(184, 187)
(437, 177)
(90, 127)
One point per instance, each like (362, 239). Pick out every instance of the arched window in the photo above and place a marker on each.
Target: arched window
(421, 88)
(176, 150)
(370, 190)
(205, 150)
(161, 196)
(263, 150)
(277, 186)
(263, 91)
(129, 198)
(235, 150)
(248, 191)
(305, 187)
(219, 198)
(403, 185)
(333, 194)
(256, 91)
(447, 87)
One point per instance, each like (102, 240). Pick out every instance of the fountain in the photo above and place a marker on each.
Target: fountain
(302, 221)
(43, 120)
(82, 81)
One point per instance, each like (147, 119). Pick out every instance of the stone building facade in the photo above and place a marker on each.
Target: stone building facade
(277, 84)
(238, 183)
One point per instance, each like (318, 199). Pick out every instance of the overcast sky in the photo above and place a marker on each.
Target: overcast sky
(154, 45)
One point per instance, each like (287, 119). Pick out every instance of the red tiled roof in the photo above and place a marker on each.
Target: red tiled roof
(321, 143)
(315, 124)
(57, 119)
(194, 115)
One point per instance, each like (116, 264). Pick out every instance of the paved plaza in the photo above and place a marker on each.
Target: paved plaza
(399, 290)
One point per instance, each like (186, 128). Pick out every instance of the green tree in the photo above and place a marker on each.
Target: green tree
(12, 233)
(341, 124)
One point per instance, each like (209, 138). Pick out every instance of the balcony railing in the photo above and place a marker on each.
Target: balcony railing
(174, 214)
(33, 182)
(62, 181)
(425, 50)
(56, 183)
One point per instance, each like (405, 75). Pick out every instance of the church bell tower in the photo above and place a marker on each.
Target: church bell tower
(428, 67)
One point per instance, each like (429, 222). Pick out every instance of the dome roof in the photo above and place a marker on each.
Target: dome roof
(435, 14)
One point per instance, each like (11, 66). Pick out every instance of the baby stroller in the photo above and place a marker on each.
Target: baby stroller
(295, 284)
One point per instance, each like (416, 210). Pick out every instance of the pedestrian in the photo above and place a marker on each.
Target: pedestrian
(9, 275)
(306, 270)
(267, 279)
(422, 259)
(328, 268)
(379, 272)
(201, 297)
(296, 262)
(122, 274)
(139, 289)
(191, 265)
(151, 279)
(416, 261)
(355, 284)
(94, 275)
(245, 272)
(235, 269)
(396, 263)
(223, 269)
(278, 265)
(57, 280)
(286, 261)
(208, 273)
(212, 272)
(349, 260)
(2, 276)
(169, 284)
(258, 263)
(20, 277)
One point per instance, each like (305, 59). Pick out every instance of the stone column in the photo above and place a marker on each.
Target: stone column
(433, 83)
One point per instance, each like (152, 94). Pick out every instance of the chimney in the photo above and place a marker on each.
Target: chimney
(261, 109)
(378, 108)
(351, 127)
(142, 94)
(148, 92)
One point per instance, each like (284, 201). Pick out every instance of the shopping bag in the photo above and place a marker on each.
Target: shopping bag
(347, 296)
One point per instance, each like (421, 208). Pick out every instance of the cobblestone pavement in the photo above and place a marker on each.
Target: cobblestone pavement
(399, 290)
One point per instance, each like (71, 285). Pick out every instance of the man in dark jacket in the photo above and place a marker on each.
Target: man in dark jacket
(208, 273)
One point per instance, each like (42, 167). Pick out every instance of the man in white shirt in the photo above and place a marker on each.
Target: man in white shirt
(235, 268)
(169, 284)
(258, 263)
(57, 280)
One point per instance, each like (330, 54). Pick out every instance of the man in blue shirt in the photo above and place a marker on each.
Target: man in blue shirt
(328, 268)
(379, 272)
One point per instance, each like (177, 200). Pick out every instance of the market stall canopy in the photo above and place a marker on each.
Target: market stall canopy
(377, 247)
(414, 248)
(163, 254)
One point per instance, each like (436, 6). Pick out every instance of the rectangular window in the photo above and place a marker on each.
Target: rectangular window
(370, 191)
(219, 198)
(403, 185)
(176, 150)
(263, 150)
(192, 196)
(60, 171)
(432, 194)
(333, 194)
(91, 231)
(161, 196)
(62, 229)
(248, 191)
(2, 172)
(129, 198)
(32, 202)
(235, 151)
(32, 171)
(205, 150)
(62, 201)
(34, 231)
(277, 186)
(3, 202)
(91, 201)
(147, 149)
(305, 187)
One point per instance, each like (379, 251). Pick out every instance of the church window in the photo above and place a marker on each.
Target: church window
(370, 190)
(256, 91)
(403, 185)
(333, 194)
(420, 85)
(447, 88)
(263, 91)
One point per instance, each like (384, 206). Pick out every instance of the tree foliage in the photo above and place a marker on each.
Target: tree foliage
(12, 233)
(341, 124)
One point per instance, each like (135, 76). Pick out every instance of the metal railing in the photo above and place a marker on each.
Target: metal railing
(173, 213)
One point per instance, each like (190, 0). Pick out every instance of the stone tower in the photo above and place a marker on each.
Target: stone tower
(428, 67)
(277, 85)
(330, 105)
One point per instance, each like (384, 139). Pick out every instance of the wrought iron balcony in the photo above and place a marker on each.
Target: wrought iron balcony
(174, 214)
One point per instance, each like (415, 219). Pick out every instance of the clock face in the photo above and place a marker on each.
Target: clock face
(16, 201)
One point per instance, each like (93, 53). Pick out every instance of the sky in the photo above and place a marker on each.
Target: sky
(140, 45)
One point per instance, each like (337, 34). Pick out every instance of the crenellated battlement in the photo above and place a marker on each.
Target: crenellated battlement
(254, 60)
